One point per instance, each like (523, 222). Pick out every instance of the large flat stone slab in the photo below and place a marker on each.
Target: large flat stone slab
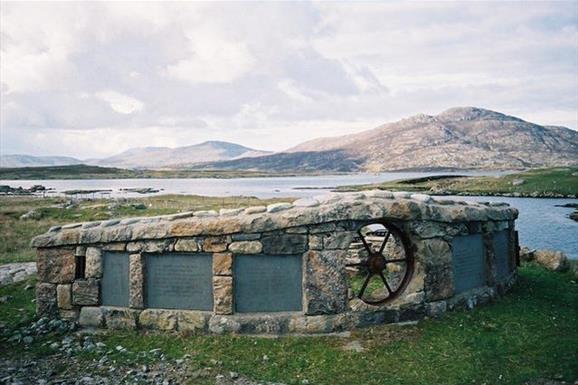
(115, 279)
(179, 281)
(501, 243)
(268, 283)
(468, 255)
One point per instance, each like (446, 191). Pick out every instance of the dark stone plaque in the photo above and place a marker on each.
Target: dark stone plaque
(267, 283)
(179, 281)
(115, 279)
(501, 251)
(468, 262)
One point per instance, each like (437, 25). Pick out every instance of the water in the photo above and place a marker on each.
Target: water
(541, 224)
(259, 187)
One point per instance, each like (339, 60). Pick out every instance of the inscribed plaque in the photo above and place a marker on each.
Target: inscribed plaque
(115, 279)
(501, 251)
(179, 281)
(267, 283)
(468, 262)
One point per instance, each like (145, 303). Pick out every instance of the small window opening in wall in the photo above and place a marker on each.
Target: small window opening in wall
(379, 263)
(80, 266)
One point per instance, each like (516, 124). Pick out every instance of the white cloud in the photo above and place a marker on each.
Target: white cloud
(271, 74)
(211, 59)
(120, 103)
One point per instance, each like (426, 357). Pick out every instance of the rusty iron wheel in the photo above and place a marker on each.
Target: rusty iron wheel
(377, 262)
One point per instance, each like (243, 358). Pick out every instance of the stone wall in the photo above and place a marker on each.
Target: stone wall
(313, 234)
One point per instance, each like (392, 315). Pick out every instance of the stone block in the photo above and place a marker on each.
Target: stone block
(56, 265)
(46, 302)
(68, 315)
(325, 282)
(220, 324)
(190, 245)
(93, 263)
(150, 246)
(280, 243)
(158, 319)
(64, 296)
(80, 251)
(338, 240)
(120, 318)
(192, 321)
(86, 292)
(223, 295)
(215, 244)
(119, 246)
(91, 317)
(136, 281)
(246, 247)
(223, 264)
(246, 237)
(316, 242)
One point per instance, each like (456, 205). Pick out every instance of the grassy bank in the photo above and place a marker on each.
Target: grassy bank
(95, 172)
(529, 334)
(16, 233)
(539, 182)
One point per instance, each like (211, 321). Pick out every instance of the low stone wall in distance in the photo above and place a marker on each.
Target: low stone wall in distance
(325, 264)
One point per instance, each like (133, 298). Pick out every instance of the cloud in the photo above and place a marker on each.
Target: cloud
(120, 103)
(92, 79)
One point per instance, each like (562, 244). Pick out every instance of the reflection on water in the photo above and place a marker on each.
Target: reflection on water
(541, 224)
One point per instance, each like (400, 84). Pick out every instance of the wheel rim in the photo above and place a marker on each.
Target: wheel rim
(376, 264)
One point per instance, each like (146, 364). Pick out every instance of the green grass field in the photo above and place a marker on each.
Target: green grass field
(541, 181)
(15, 233)
(529, 334)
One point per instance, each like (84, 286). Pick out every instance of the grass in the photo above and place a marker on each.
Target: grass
(82, 171)
(15, 233)
(529, 334)
(562, 181)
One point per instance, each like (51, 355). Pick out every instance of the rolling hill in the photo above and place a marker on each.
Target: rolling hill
(458, 138)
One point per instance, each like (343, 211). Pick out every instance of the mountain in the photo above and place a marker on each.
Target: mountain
(461, 137)
(165, 157)
(18, 160)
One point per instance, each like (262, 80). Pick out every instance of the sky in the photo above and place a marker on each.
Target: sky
(92, 79)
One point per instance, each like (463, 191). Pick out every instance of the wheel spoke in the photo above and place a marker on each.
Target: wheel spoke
(365, 244)
(384, 242)
(364, 286)
(385, 283)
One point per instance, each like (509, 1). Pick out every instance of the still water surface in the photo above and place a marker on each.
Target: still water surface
(541, 224)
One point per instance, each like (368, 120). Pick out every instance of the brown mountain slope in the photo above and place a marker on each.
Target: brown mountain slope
(462, 137)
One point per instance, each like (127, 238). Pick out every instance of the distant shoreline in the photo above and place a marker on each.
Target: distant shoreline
(559, 182)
